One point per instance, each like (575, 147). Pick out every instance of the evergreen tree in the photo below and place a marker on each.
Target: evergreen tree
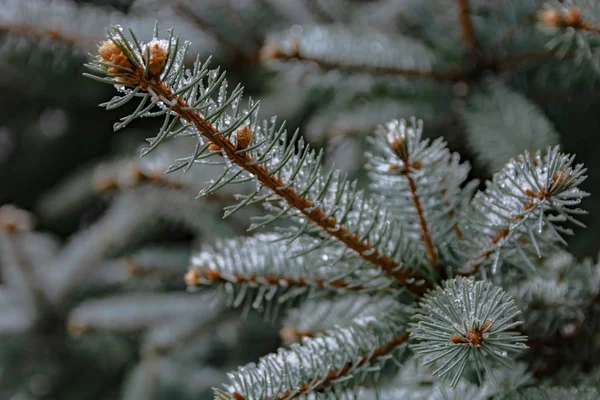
(413, 281)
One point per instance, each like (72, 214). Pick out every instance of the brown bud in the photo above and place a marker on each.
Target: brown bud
(214, 147)
(573, 17)
(244, 137)
(158, 58)
(269, 51)
(552, 17)
(104, 184)
(398, 145)
(192, 278)
(135, 174)
(237, 396)
(111, 53)
(456, 339)
(13, 219)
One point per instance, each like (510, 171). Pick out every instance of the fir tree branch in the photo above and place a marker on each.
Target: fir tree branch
(264, 272)
(515, 211)
(315, 316)
(293, 198)
(198, 275)
(323, 382)
(340, 48)
(466, 25)
(452, 74)
(55, 34)
(13, 223)
(421, 181)
(128, 70)
(363, 345)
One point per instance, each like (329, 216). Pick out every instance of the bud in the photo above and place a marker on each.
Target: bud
(13, 219)
(214, 147)
(111, 53)
(158, 57)
(192, 278)
(244, 137)
(552, 17)
(269, 52)
(573, 17)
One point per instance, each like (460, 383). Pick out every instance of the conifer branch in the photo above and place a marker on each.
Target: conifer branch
(422, 181)
(366, 343)
(520, 201)
(323, 382)
(198, 275)
(466, 24)
(317, 315)
(306, 207)
(143, 73)
(340, 49)
(453, 74)
(13, 223)
(55, 34)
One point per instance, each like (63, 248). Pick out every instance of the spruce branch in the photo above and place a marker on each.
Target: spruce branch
(316, 316)
(421, 181)
(466, 320)
(344, 49)
(338, 356)
(46, 33)
(466, 25)
(324, 200)
(522, 209)
(126, 222)
(14, 224)
(265, 273)
(527, 127)
(134, 312)
(574, 31)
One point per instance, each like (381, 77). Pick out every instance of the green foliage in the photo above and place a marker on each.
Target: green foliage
(350, 254)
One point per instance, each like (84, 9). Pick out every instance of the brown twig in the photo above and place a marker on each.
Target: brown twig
(429, 246)
(466, 25)
(198, 274)
(406, 171)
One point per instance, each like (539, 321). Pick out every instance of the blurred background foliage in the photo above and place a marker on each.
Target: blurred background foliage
(118, 234)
